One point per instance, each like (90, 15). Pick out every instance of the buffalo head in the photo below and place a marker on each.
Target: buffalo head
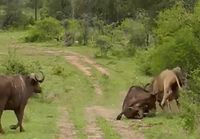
(34, 81)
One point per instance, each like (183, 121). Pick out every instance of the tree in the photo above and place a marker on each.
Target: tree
(13, 14)
(177, 43)
(59, 9)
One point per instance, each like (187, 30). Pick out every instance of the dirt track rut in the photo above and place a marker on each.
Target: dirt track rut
(66, 127)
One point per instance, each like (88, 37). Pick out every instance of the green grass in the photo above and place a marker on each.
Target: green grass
(38, 122)
(165, 126)
(105, 126)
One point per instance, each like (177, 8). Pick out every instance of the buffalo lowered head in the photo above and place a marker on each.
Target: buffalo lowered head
(34, 81)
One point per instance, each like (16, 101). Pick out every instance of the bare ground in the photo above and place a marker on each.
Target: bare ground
(124, 130)
(66, 127)
(92, 130)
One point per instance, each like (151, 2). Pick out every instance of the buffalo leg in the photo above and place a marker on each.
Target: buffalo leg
(1, 129)
(2, 106)
(17, 125)
(20, 115)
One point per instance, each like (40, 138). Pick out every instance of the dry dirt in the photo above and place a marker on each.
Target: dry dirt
(66, 127)
(124, 130)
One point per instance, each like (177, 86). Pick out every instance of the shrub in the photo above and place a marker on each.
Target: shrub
(43, 13)
(143, 59)
(15, 20)
(120, 43)
(176, 43)
(59, 71)
(85, 29)
(135, 31)
(73, 30)
(43, 30)
(33, 66)
(104, 45)
(179, 50)
(194, 79)
(13, 65)
(190, 112)
(13, 17)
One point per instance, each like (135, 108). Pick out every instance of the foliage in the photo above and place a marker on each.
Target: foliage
(194, 79)
(13, 16)
(43, 30)
(59, 9)
(73, 28)
(170, 21)
(143, 59)
(85, 22)
(44, 13)
(12, 64)
(104, 45)
(59, 71)
(190, 111)
(176, 43)
(135, 31)
(128, 36)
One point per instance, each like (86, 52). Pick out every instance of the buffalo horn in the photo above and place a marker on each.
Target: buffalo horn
(38, 78)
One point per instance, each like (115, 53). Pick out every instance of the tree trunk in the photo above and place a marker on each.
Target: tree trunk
(36, 8)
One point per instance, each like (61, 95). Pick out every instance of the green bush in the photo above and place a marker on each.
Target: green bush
(103, 42)
(135, 31)
(59, 71)
(126, 38)
(85, 23)
(43, 30)
(179, 50)
(120, 43)
(176, 43)
(73, 27)
(194, 79)
(12, 64)
(14, 18)
(143, 59)
(190, 113)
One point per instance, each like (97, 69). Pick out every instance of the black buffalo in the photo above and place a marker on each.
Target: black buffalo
(14, 94)
(137, 102)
